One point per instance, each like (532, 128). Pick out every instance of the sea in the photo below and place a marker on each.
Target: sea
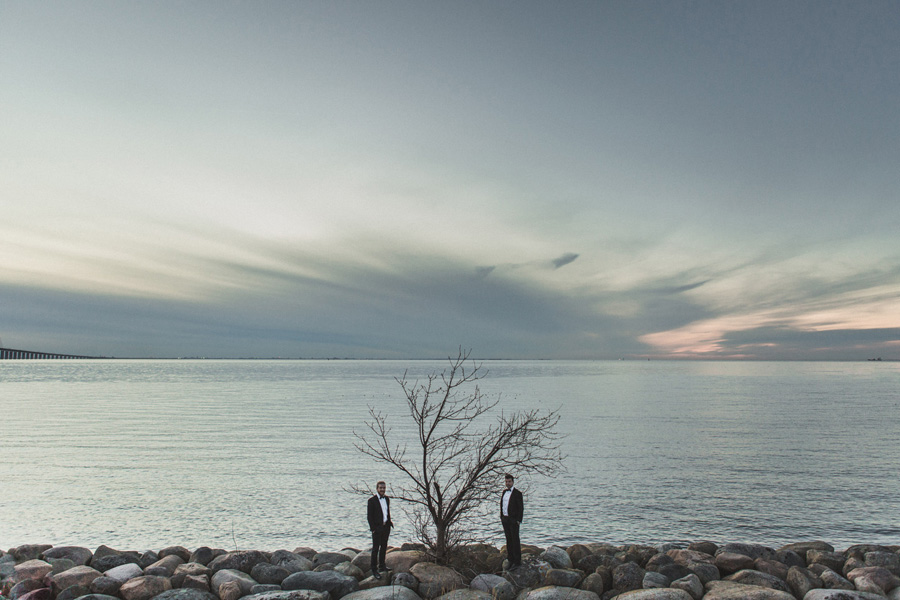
(262, 454)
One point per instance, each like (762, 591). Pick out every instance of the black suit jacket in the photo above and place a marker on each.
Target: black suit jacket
(516, 506)
(374, 515)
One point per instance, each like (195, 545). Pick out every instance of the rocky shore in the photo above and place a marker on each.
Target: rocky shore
(702, 570)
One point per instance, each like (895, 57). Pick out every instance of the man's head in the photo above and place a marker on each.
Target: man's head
(380, 487)
(509, 481)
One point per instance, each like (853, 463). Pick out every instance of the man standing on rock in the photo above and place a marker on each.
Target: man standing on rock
(511, 509)
(379, 516)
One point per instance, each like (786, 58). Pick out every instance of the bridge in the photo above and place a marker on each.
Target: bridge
(13, 354)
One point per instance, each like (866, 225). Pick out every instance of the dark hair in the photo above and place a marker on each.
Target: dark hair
(508, 476)
(380, 483)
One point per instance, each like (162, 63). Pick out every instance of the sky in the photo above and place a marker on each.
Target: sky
(393, 179)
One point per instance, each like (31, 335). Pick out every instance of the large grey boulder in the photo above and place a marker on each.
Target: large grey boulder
(656, 594)
(841, 595)
(124, 572)
(241, 560)
(164, 567)
(390, 592)
(880, 576)
(557, 557)
(289, 595)
(144, 588)
(555, 592)
(80, 575)
(401, 561)
(498, 587)
(223, 576)
(801, 581)
(690, 584)
(751, 577)
(730, 590)
(655, 581)
(627, 577)
(732, 562)
(563, 577)
(267, 573)
(77, 554)
(29, 551)
(436, 580)
(465, 594)
(334, 583)
(754, 551)
(185, 594)
(31, 569)
(833, 560)
(106, 586)
(180, 551)
(190, 569)
(888, 560)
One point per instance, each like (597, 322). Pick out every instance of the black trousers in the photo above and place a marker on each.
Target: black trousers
(513, 545)
(379, 545)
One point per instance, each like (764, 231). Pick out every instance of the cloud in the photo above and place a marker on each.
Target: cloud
(563, 260)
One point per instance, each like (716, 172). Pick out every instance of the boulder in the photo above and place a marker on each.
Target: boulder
(81, 575)
(867, 584)
(291, 595)
(26, 587)
(38, 594)
(77, 554)
(29, 552)
(801, 581)
(305, 552)
(180, 551)
(654, 580)
(577, 551)
(732, 562)
(391, 592)
(164, 567)
(676, 571)
(730, 590)
(406, 580)
(196, 582)
(880, 576)
(244, 581)
(802, 548)
(789, 558)
(267, 573)
(529, 574)
(466, 594)
(754, 551)
(203, 555)
(554, 592)
(73, 591)
(557, 557)
(690, 584)
(334, 583)
(264, 588)
(124, 572)
(888, 560)
(590, 562)
(230, 590)
(563, 577)
(832, 560)
(402, 561)
(240, 560)
(31, 569)
(111, 561)
(841, 595)
(705, 547)
(705, 571)
(594, 583)
(106, 586)
(347, 568)
(686, 557)
(656, 594)
(333, 558)
(628, 576)
(144, 587)
(834, 581)
(64, 564)
(771, 567)
(189, 569)
(436, 580)
(498, 587)
(751, 577)
(860, 550)
(96, 596)
(185, 594)
(148, 558)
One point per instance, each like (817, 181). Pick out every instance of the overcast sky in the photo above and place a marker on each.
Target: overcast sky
(398, 179)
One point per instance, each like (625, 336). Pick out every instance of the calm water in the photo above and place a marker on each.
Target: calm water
(257, 454)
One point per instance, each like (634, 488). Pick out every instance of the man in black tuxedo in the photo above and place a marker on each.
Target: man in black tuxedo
(511, 509)
(379, 515)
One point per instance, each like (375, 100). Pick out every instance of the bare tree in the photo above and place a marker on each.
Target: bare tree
(453, 466)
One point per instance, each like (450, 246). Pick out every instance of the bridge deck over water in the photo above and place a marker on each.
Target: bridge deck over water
(13, 354)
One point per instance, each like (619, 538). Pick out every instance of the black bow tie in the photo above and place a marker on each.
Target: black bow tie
(382, 497)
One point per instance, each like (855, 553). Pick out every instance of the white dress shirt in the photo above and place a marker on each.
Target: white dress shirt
(384, 508)
(506, 496)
